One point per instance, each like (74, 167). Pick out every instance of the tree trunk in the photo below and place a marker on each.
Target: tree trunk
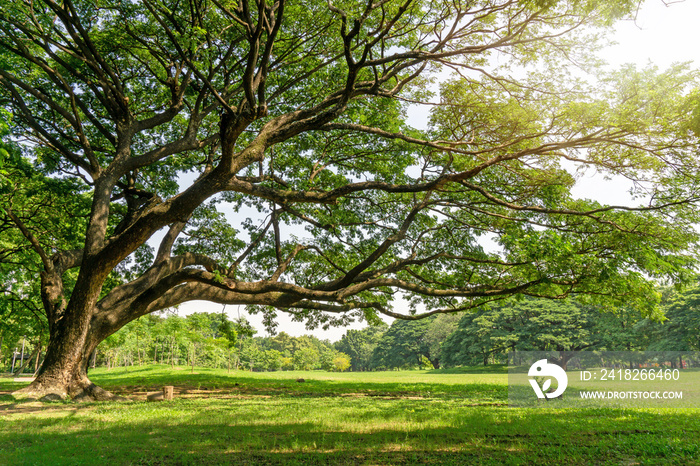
(62, 380)
(193, 356)
(63, 373)
(38, 354)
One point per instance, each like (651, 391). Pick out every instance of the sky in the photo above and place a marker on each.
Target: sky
(664, 32)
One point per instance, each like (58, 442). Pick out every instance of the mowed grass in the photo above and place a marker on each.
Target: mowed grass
(407, 417)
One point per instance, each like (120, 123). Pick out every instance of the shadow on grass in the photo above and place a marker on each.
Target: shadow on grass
(489, 369)
(285, 384)
(235, 434)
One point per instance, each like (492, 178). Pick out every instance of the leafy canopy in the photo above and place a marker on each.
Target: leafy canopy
(261, 153)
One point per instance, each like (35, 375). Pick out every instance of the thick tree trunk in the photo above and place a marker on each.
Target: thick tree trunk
(63, 373)
(62, 376)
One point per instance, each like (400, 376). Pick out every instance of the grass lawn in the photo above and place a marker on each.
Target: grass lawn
(407, 417)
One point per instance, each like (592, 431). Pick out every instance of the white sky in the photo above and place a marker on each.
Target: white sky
(662, 34)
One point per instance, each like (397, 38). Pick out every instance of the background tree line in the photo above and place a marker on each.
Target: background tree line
(212, 340)
(484, 336)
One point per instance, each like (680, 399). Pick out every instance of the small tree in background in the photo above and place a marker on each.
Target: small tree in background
(341, 362)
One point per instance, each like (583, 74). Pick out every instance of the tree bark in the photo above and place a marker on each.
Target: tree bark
(38, 356)
(63, 373)
(193, 356)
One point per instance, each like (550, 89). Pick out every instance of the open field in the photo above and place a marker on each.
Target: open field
(409, 417)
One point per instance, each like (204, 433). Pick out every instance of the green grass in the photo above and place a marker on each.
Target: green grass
(407, 417)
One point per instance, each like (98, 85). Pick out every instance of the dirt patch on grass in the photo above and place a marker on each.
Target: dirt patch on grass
(38, 406)
(195, 394)
(139, 393)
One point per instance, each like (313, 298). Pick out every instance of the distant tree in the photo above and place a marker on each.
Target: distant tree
(18, 323)
(341, 362)
(205, 324)
(284, 343)
(253, 355)
(174, 327)
(229, 338)
(326, 359)
(623, 329)
(404, 344)
(235, 334)
(287, 363)
(306, 358)
(438, 331)
(273, 360)
(411, 343)
(681, 330)
(359, 345)
(525, 325)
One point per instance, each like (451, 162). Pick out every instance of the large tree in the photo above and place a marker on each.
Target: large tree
(292, 118)
(410, 343)
(403, 345)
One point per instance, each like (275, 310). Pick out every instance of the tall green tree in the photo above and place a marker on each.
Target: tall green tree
(405, 344)
(414, 343)
(152, 117)
(359, 345)
(681, 329)
(439, 330)
(234, 334)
